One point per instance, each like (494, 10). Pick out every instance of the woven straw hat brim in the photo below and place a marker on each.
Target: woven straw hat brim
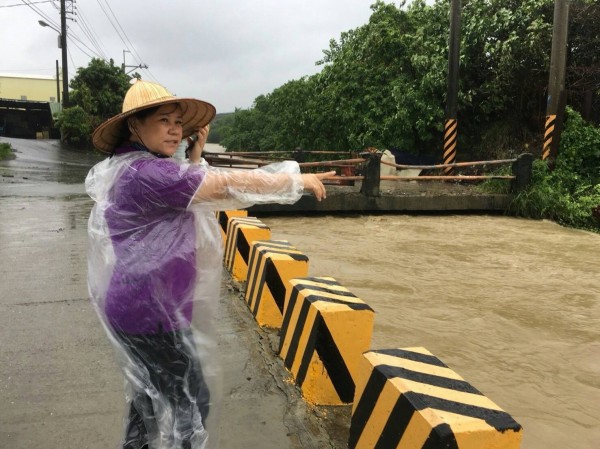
(196, 113)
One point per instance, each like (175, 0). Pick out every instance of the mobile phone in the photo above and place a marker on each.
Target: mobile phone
(191, 141)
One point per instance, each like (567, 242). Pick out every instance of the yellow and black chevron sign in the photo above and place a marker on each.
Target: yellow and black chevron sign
(325, 330)
(272, 264)
(408, 398)
(242, 231)
(223, 217)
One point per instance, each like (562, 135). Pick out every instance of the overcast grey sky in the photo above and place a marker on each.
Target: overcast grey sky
(224, 51)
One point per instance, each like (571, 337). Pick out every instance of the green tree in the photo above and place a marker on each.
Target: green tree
(97, 94)
(100, 88)
(244, 131)
(383, 84)
(583, 70)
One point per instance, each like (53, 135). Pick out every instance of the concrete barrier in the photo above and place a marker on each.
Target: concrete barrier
(273, 263)
(241, 232)
(223, 217)
(408, 398)
(324, 332)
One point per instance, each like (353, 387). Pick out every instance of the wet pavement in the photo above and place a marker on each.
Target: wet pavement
(60, 386)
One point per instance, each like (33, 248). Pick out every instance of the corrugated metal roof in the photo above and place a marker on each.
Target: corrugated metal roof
(55, 108)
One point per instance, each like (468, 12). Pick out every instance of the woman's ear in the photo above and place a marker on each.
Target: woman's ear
(131, 124)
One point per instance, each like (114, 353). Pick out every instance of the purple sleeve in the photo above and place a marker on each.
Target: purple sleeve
(168, 183)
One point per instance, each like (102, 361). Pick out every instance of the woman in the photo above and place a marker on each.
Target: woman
(155, 257)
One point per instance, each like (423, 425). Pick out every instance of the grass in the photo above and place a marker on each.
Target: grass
(6, 151)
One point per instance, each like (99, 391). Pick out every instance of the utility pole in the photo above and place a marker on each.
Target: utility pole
(57, 83)
(63, 45)
(451, 123)
(124, 66)
(555, 108)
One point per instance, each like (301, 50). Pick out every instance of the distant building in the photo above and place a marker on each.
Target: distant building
(28, 104)
(29, 87)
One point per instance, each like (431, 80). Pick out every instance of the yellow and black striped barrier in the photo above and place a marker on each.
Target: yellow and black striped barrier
(408, 398)
(241, 232)
(273, 263)
(223, 217)
(325, 330)
(450, 139)
(548, 136)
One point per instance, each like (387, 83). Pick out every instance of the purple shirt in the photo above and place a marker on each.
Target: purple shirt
(154, 241)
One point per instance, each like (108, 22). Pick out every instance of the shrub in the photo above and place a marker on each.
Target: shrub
(6, 151)
(75, 126)
(568, 193)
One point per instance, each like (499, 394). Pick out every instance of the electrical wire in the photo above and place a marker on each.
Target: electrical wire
(75, 39)
(41, 14)
(112, 24)
(89, 32)
(124, 34)
(25, 4)
(89, 26)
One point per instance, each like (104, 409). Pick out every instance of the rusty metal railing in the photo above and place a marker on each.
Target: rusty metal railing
(369, 163)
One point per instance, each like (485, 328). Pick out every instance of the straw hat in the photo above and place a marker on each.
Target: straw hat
(143, 95)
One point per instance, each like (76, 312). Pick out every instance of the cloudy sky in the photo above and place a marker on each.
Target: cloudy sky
(224, 51)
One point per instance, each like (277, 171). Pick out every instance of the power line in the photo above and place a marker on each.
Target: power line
(26, 4)
(152, 76)
(70, 36)
(41, 14)
(88, 31)
(74, 39)
(112, 18)
(111, 22)
(124, 34)
(71, 56)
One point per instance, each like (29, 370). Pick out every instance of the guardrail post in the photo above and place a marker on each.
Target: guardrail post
(272, 264)
(410, 398)
(370, 185)
(325, 331)
(299, 155)
(241, 232)
(522, 169)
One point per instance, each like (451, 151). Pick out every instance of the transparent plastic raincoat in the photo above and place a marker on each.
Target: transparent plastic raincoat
(154, 261)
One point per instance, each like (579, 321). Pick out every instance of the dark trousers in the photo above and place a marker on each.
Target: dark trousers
(170, 395)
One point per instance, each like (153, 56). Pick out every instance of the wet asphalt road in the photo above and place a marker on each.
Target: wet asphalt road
(60, 387)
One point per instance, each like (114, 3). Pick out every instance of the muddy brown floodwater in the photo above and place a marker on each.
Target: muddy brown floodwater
(511, 305)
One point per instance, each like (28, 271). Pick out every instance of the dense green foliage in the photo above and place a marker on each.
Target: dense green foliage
(384, 84)
(97, 94)
(568, 193)
(75, 126)
(6, 151)
(100, 88)
(219, 123)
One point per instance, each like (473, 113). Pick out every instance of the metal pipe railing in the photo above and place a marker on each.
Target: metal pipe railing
(371, 162)
(455, 164)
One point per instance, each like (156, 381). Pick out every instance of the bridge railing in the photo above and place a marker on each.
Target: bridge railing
(368, 165)
(521, 168)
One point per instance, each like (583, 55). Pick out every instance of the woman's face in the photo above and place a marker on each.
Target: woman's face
(160, 132)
